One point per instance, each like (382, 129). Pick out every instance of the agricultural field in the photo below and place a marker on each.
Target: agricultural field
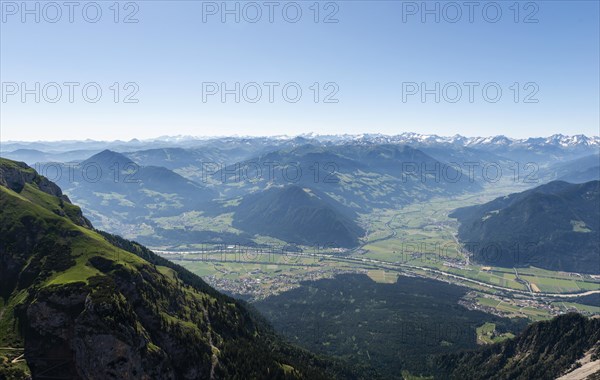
(383, 277)
(514, 308)
(196, 220)
(420, 235)
(560, 285)
(570, 306)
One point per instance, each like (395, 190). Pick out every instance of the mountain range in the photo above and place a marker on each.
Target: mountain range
(147, 202)
(77, 302)
(359, 177)
(558, 145)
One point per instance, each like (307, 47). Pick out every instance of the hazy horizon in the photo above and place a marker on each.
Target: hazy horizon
(291, 136)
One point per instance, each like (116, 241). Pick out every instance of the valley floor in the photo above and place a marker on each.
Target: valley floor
(417, 240)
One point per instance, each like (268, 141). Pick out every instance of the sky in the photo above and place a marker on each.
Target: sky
(141, 69)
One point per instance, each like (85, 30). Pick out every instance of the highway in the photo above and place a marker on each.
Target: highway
(373, 263)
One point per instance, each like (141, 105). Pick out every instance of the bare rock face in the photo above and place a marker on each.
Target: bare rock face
(103, 356)
(48, 327)
(73, 333)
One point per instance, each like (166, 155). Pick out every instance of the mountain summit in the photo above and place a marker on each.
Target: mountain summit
(297, 215)
(108, 158)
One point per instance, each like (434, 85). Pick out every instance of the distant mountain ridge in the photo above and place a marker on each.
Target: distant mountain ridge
(372, 138)
(411, 138)
(555, 226)
(358, 176)
(583, 169)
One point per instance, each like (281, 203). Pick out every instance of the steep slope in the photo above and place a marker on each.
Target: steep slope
(581, 170)
(581, 176)
(297, 215)
(545, 350)
(83, 304)
(554, 226)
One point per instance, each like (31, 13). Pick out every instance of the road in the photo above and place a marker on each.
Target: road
(392, 266)
(386, 264)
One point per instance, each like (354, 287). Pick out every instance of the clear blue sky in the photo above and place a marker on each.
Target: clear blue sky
(369, 53)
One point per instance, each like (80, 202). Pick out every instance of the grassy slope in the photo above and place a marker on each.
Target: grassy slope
(178, 296)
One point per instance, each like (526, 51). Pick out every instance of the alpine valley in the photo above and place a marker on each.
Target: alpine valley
(306, 257)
